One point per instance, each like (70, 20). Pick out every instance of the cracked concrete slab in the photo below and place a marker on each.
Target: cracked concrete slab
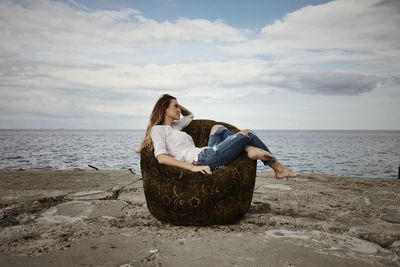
(314, 220)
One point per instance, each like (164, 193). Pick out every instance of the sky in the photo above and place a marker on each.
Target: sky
(289, 65)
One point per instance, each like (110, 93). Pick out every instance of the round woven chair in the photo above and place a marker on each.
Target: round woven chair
(182, 197)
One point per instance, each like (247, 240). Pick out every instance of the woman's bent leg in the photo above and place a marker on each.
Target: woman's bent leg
(231, 147)
(280, 170)
(224, 152)
(222, 133)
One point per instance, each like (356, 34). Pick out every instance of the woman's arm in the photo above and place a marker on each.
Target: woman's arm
(185, 120)
(168, 160)
(185, 111)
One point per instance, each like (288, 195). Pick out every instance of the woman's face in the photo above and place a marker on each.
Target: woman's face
(173, 111)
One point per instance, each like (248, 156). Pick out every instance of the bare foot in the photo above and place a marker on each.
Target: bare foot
(285, 173)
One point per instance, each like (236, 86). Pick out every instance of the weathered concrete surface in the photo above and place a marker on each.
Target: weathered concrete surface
(100, 218)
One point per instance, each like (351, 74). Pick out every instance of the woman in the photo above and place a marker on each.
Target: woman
(176, 148)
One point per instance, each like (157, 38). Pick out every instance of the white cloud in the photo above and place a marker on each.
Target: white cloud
(63, 60)
(343, 30)
(46, 25)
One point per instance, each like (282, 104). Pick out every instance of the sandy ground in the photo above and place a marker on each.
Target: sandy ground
(100, 218)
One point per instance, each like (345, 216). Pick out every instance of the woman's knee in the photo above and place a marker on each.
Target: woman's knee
(215, 128)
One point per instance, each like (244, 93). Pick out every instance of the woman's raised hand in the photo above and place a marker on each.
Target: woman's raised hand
(202, 169)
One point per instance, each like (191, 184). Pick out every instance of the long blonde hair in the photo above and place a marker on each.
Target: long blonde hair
(156, 117)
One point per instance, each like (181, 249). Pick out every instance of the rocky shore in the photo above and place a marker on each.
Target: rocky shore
(100, 218)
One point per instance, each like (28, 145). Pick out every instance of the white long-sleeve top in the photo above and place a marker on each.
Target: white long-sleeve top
(170, 140)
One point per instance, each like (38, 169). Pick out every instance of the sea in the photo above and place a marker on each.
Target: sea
(361, 153)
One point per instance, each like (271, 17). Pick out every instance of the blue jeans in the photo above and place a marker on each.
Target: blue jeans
(224, 147)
